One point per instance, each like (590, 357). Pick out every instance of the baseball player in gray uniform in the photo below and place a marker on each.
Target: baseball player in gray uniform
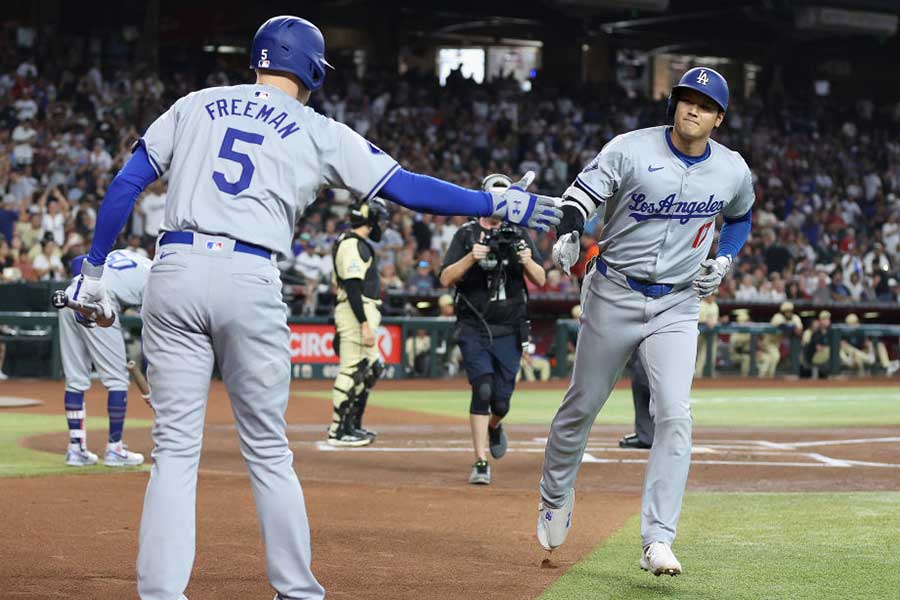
(243, 162)
(82, 344)
(662, 188)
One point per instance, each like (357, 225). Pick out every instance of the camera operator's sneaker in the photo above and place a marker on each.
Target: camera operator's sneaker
(554, 523)
(498, 440)
(79, 456)
(481, 473)
(659, 560)
(118, 455)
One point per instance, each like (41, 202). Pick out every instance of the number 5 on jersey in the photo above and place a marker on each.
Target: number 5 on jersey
(228, 152)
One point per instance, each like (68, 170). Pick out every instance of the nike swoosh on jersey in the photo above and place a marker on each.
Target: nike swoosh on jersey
(652, 169)
(162, 255)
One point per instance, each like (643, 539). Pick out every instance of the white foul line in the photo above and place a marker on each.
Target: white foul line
(753, 447)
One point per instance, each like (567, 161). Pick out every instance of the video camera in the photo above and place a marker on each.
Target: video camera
(504, 243)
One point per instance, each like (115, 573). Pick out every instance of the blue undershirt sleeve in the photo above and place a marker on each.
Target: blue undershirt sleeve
(124, 189)
(734, 234)
(436, 196)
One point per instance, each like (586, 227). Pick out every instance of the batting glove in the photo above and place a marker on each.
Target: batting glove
(566, 251)
(89, 289)
(521, 207)
(712, 270)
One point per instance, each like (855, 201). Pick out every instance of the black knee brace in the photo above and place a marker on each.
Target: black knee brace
(482, 390)
(499, 406)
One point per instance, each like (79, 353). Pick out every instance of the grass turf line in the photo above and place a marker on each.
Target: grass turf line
(810, 546)
(18, 461)
(772, 407)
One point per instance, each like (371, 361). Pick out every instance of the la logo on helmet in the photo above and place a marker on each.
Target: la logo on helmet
(702, 78)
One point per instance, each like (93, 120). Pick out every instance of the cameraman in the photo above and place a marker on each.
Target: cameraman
(488, 263)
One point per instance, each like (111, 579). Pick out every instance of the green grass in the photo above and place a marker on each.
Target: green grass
(17, 461)
(773, 407)
(756, 546)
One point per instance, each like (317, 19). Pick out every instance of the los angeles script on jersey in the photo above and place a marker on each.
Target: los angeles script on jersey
(252, 110)
(672, 208)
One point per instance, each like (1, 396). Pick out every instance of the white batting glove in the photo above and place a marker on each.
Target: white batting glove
(566, 251)
(88, 288)
(712, 270)
(521, 207)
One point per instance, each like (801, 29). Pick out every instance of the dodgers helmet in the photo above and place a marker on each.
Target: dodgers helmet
(707, 81)
(291, 44)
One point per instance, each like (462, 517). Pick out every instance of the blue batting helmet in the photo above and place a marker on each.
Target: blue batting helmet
(707, 81)
(291, 44)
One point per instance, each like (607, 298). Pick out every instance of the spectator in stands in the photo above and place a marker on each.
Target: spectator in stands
(839, 291)
(423, 279)
(389, 278)
(152, 208)
(48, 264)
(9, 215)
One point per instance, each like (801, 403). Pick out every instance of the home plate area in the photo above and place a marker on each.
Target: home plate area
(829, 453)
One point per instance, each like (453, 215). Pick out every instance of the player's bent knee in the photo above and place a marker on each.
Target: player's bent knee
(500, 406)
(482, 390)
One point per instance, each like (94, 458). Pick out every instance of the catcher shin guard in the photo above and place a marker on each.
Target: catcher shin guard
(372, 375)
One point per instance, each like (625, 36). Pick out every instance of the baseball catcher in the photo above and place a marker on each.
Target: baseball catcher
(356, 317)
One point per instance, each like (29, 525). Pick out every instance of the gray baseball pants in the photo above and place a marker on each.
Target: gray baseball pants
(616, 319)
(203, 305)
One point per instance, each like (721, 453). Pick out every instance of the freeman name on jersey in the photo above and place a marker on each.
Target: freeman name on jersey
(239, 108)
(670, 208)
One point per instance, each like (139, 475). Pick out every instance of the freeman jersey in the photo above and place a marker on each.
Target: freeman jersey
(125, 277)
(659, 213)
(245, 161)
(355, 259)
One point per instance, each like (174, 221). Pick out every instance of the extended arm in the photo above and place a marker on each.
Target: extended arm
(428, 194)
(124, 189)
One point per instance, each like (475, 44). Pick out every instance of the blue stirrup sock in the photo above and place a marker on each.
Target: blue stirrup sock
(116, 404)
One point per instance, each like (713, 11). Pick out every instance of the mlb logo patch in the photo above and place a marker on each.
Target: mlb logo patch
(263, 63)
(217, 246)
(263, 95)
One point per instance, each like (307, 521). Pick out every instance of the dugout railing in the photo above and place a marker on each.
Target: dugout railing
(33, 344)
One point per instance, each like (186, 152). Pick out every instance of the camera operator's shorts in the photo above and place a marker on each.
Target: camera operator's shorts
(500, 360)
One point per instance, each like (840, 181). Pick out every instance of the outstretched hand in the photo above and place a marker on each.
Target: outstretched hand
(517, 205)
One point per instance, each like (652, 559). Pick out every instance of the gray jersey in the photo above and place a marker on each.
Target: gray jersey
(125, 277)
(659, 213)
(245, 161)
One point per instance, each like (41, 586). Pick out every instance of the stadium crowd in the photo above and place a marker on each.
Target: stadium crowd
(827, 176)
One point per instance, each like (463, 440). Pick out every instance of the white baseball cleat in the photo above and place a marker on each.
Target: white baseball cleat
(553, 523)
(118, 455)
(659, 560)
(77, 456)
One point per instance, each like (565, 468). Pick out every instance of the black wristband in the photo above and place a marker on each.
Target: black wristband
(572, 220)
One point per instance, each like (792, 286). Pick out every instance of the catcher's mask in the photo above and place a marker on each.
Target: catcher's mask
(372, 213)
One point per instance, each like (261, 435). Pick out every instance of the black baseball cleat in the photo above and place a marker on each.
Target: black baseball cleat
(634, 442)
(498, 441)
(349, 439)
(370, 433)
